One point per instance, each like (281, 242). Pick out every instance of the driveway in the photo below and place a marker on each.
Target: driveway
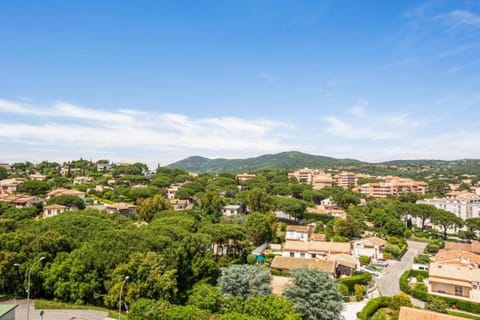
(388, 284)
(21, 313)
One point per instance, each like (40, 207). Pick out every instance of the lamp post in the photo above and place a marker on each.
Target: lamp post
(17, 266)
(28, 286)
(120, 297)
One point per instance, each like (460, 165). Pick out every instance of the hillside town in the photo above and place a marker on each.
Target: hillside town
(378, 237)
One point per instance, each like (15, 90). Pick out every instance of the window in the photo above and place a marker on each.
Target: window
(302, 255)
(292, 254)
(314, 255)
(458, 291)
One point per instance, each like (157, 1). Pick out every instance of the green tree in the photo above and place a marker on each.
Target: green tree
(258, 228)
(244, 281)
(185, 313)
(291, 206)
(3, 173)
(422, 211)
(315, 295)
(212, 203)
(473, 225)
(258, 200)
(34, 187)
(147, 208)
(206, 297)
(446, 220)
(400, 300)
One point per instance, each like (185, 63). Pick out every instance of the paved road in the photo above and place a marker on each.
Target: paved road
(388, 284)
(21, 313)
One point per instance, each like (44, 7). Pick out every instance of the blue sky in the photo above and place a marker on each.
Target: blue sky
(156, 81)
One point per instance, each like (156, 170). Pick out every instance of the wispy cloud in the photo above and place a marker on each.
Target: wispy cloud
(457, 18)
(358, 109)
(68, 127)
(266, 76)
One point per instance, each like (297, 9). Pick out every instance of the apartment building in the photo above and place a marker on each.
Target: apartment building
(245, 176)
(346, 179)
(464, 205)
(317, 178)
(393, 186)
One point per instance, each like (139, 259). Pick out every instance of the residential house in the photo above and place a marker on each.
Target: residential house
(245, 176)
(471, 247)
(62, 191)
(336, 266)
(302, 175)
(21, 201)
(181, 204)
(371, 247)
(53, 210)
(172, 191)
(458, 256)
(83, 180)
(464, 205)
(122, 208)
(10, 186)
(314, 249)
(104, 166)
(37, 177)
(455, 279)
(232, 210)
(5, 165)
(289, 263)
(302, 233)
(407, 313)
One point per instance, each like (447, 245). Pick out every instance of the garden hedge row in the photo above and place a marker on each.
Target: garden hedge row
(372, 306)
(363, 278)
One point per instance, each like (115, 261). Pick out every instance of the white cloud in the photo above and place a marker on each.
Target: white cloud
(70, 127)
(457, 18)
(358, 109)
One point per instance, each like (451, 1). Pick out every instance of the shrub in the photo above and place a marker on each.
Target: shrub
(362, 278)
(436, 304)
(420, 286)
(393, 249)
(372, 306)
(422, 259)
(359, 292)
(364, 260)
(380, 315)
(343, 289)
(432, 248)
(420, 277)
(400, 300)
(404, 282)
(251, 259)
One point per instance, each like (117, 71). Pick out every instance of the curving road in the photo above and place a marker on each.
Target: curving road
(388, 284)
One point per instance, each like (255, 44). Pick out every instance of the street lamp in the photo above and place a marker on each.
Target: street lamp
(28, 286)
(17, 266)
(120, 297)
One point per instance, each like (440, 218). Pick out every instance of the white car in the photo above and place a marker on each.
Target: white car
(370, 270)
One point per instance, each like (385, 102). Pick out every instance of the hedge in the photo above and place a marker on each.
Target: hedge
(372, 306)
(350, 282)
(465, 305)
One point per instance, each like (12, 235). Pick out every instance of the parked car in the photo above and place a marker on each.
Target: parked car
(421, 267)
(370, 270)
(381, 263)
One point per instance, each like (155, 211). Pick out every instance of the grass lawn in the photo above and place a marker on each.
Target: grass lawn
(463, 315)
(49, 304)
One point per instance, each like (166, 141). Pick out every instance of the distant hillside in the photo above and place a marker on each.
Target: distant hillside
(291, 160)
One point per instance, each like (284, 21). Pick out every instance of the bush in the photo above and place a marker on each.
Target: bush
(420, 286)
(404, 282)
(432, 248)
(393, 249)
(359, 292)
(420, 278)
(422, 259)
(400, 300)
(436, 304)
(251, 259)
(364, 260)
(372, 306)
(380, 315)
(343, 289)
(362, 278)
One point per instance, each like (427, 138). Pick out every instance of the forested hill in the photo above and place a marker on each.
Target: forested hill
(291, 160)
(294, 160)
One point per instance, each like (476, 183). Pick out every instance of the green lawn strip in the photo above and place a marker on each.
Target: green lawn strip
(463, 315)
(41, 304)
